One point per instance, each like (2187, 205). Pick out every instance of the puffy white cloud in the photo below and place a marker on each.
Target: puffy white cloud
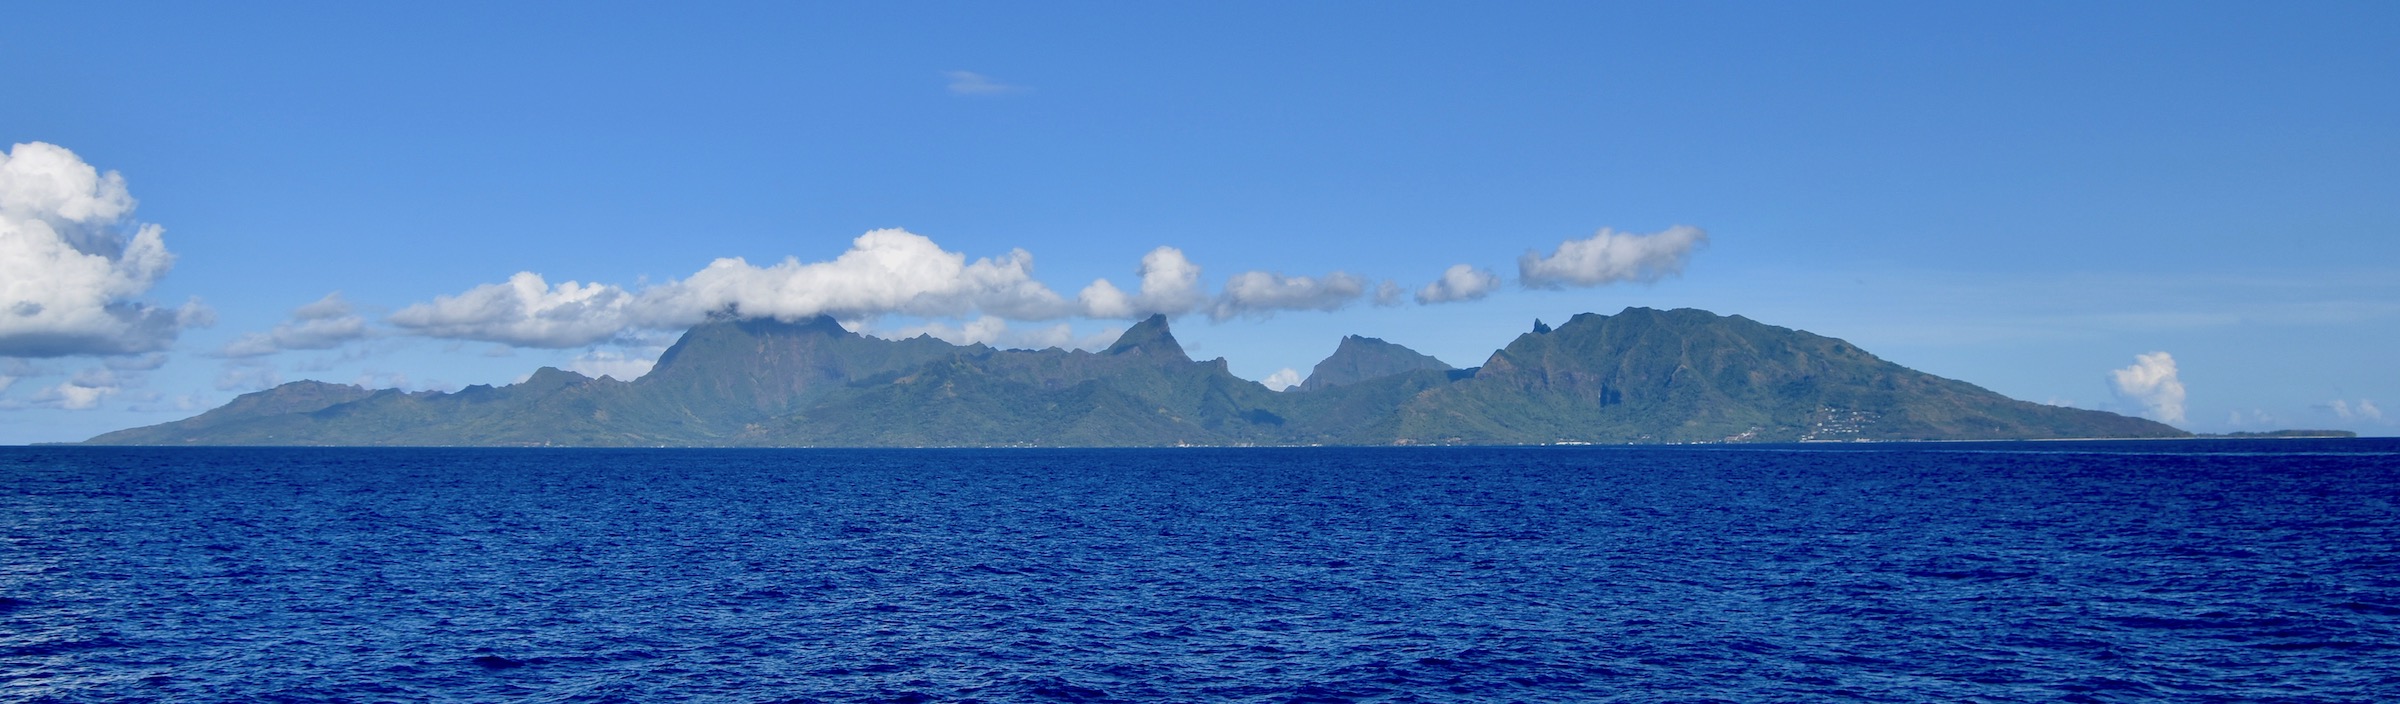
(322, 325)
(1389, 293)
(1459, 283)
(1263, 293)
(972, 83)
(884, 272)
(526, 311)
(1284, 378)
(72, 261)
(1609, 256)
(1170, 285)
(2152, 382)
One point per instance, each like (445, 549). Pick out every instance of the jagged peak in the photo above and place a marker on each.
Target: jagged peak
(1149, 337)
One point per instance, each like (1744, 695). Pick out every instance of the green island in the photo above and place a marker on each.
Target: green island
(1642, 376)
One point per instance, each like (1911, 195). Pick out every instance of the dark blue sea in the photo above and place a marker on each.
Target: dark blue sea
(2233, 571)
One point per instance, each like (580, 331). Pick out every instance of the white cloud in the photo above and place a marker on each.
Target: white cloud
(1262, 293)
(526, 311)
(1170, 285)
(2363, 410)
(72, 261)
(972, 83)
(75, 397)
(1609, 256)
(2153, 383)
(83, 392)
(322, 325)
(1460, 282)
(1284, 378)
(884, 272)
(621, 364)
(1389, 293)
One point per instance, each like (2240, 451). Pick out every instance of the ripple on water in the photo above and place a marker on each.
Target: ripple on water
(2100, 573)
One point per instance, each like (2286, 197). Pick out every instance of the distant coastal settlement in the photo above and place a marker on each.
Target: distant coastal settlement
(1642, 376)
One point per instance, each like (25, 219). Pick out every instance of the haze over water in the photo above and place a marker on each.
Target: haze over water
(2187, 570)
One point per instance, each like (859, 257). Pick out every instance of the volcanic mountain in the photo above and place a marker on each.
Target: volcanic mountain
(1640, 376)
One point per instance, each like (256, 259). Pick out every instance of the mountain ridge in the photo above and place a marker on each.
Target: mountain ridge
(1641, 376)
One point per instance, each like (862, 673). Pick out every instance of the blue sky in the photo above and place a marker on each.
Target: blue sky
(2030, 197)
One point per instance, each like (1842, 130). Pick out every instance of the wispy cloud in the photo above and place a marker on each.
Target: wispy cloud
(2362, 410)
(972, 83)
(323, 325)
(2154, 383)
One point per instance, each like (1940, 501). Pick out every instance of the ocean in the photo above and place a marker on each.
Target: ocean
(2205, 571)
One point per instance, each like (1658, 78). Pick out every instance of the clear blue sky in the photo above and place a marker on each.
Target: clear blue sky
(2025, 196)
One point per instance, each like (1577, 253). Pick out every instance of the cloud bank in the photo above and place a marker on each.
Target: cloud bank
(894, 272)
(2153, 383)
(1609, 256)
(73, 262)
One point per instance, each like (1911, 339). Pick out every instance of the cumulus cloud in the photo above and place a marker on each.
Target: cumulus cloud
(2152, 382)
(1460, 282)
(73, 261)
(884, 272)
(1284, 378)
(1262, 293)
(322, 325)
(1170, 285)
(1389, 293)
(1609, 256)
(526, 311)
(972, 83)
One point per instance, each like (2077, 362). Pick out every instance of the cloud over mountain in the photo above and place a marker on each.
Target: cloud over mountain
(894, 272)
(1609, 256)
(73, 262)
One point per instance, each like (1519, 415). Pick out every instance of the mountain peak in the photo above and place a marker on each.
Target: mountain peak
(1362, 358)
(1149, 337)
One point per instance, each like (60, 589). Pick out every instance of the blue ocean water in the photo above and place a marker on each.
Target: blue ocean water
(2184, 571)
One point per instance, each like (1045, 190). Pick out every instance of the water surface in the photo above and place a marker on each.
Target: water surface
(2193, 571)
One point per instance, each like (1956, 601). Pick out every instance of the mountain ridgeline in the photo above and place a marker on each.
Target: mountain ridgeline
(1641, 376)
